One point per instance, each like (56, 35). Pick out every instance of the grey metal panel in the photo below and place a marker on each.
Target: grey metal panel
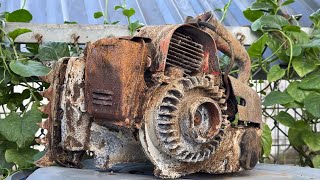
(149, 12)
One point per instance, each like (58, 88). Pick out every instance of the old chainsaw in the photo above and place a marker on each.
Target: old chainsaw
(158, 96)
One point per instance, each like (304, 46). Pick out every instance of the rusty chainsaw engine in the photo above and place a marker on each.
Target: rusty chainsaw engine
(159, 96)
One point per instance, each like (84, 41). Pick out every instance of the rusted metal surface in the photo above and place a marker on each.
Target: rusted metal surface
(114, 79)
(250, 109)
(223, 38)
(158, 96)
(75, 121)
(174, 44)
(114, 147)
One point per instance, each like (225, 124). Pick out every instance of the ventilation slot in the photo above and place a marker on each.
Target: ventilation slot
(102, 97)
(185, 53)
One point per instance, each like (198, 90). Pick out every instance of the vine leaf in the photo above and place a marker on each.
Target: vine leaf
(315, 18)
(269, 22)
(311, 81)
(275, 73)
(22, 157)
(98, 15)
(135, 25)
(256, 48)
(303, 66)
(316, 161)
(287, 2)
(262, 6)
(285, 119)
(17, 32)
(20, 15)
(266, 140)
(312, 103)
(52, 51)
(21, 129)
(295, 133)
(3, 146)
(128, 12)
(252, 15)
(312, 139)
(277, 97)
(296, 93)
(28, 68)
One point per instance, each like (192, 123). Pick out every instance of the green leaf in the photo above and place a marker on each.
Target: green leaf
(295, 137)
(303, 66)
(296, 132)
(115, 22)
(275, 44)
(21, 129)
(20, 15)
(17, 32)
(275, 73)
(98, 14)
(252, 15)
(266, 140)
(315, 18)
(118, 7)
(135, 25)
(287, 2)
(291, 28)
(256, 48)
(312, 43)
(293, 104)
(269, 22)
(312, 139)
(277, 97)
(52, 51)
(316, 161)
(296, 50)
(70, 22)
(311, 81)
(296, 93)
(263, 6)
(33, 48)
(38, 156)
(285, 119)
(312, 103)
(21, 157)
(128, 12)
(3, 146)
(28, 68)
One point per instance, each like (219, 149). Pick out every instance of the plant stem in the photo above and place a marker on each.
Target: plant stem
(291, 50)
(105, 14)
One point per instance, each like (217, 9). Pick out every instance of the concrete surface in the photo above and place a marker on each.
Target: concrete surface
(139, 172)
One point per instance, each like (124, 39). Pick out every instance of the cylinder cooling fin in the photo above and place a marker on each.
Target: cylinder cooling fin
(185, 53)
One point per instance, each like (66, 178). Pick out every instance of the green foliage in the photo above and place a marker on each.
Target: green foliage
(28, 68)
(128, 13)
(21, 157)
(266, 140)
(224, 10)
(298, 53)
(51, 51)
(285, 119)
(17, 32)
(21, 129)
(20, 15)
(275, 73)
(18, 127)
(277, 97)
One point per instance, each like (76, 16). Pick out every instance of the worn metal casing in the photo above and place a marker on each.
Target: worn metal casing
(114, 79)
